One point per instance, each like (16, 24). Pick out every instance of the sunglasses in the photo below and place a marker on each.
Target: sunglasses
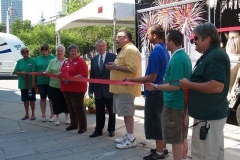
(25, 52)
(44, 49)
(196, 38)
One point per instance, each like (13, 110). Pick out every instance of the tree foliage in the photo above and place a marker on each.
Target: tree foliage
(34, 36)
(74, 5)
(1, 27)
(19, 26)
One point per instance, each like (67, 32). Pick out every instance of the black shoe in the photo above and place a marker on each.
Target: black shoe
(165, 151)
(69, 128)
(111, 134)
(95, 134)
(154, 156)
(82, 130)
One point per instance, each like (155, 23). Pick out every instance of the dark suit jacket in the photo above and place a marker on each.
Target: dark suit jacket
(100, 90)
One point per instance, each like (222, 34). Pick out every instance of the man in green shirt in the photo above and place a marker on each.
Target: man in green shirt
(208, 88)
(174, 118)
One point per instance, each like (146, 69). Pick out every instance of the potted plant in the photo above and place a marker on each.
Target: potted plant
(90, 104)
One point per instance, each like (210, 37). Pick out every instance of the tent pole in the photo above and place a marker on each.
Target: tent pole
(58, 41)
(114, 28)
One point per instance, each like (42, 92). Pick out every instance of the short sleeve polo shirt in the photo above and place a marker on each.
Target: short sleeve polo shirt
(213, 65)
(179, 67)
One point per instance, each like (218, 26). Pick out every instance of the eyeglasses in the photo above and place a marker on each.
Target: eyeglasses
(196, 38)
(25, 52)
(44, 49)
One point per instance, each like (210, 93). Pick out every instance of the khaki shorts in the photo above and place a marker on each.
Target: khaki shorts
(174, 128)
(123, 104)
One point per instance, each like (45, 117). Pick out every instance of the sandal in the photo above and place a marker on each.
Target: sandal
(32, 118)
(25, 117)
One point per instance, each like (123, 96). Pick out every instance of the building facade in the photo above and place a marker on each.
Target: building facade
(11, 10)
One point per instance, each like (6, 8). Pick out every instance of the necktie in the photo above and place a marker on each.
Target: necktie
(101, 63)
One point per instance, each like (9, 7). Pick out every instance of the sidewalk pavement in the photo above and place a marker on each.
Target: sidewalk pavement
(33, 140)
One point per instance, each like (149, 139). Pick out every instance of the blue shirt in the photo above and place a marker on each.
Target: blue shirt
(157, 64)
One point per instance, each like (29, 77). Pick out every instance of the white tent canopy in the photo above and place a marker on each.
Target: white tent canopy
(91, 15)
(100, 12)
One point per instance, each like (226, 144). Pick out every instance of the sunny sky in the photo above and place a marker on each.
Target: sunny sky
(33, 9)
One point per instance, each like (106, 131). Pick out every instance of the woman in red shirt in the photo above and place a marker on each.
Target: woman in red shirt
(74, 91)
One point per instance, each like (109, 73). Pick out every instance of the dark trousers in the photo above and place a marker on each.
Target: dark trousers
(76, 109)
(58, 101)
(100, 114)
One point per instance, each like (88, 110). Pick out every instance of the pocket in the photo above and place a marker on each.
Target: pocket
(172, 130)
(171, 125)
(119, 61)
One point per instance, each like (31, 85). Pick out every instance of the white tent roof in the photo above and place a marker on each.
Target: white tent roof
(89, 16)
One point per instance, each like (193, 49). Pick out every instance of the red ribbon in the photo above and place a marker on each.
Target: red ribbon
(83, 79)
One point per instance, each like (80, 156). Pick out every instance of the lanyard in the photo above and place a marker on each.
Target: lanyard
(60, 63)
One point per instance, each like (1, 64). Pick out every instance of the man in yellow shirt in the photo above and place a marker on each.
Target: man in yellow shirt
(127, 64)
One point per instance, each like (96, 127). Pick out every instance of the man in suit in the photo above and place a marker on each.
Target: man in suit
(101, 91)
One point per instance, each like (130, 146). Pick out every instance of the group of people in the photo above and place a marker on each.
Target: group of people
(173, 90)
(64, 96)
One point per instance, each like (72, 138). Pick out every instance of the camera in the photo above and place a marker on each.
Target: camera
(204, 130)
(203, 133)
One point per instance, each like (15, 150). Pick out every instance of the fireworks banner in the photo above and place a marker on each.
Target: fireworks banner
(183, 17)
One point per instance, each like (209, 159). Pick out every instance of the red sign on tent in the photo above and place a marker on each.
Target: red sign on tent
(100, 9)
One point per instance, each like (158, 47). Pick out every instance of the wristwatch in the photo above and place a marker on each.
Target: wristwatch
(117, 68)
(155, 86)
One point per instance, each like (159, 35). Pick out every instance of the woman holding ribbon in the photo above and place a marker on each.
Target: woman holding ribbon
(58, 102)
(28, 95)
(73, 69)
(42, 82)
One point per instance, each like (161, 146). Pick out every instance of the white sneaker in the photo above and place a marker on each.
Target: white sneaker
(122, 139)
(127, 144)
(43, 119)
(57, 123)
(51, 119)
(67, 120)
